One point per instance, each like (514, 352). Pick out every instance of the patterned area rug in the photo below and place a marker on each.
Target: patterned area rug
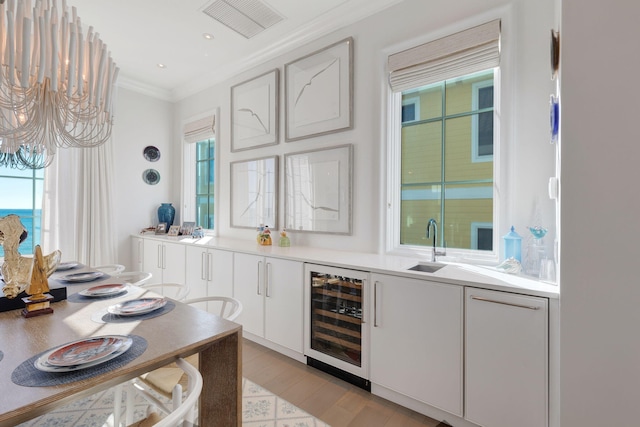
(260, 408)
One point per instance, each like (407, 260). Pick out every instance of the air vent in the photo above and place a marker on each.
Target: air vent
(246, 17)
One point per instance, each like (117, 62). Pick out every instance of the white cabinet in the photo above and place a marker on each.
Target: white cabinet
(270, 290)
(209, 272)
(164, 260)
(137, 251)
(506, 368)
(417, 340)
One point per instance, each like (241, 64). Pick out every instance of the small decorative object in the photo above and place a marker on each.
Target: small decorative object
(513, 245)
(151, 176)
(536, 251)
(187, 228)
(174, 230)
(151, 153)
(161, 228)
(554, 118)
(284, 239)
(198, 233)
(510, 265)
(16, 269)
(264, 236)
(38, 302)
(166, 213)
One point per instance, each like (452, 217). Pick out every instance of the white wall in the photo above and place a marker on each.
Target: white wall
(600, 318)
(526, 25)
(141, 121)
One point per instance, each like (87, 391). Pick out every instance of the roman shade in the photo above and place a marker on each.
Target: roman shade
(200, 130)
(459, 54)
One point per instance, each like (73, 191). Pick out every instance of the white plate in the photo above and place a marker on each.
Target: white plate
(87, 276)
(104, 290)
(66, 266)
(41, 363)
(136, 307)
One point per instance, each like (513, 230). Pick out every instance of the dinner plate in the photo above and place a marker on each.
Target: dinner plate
(136, 307)
(66, 266)
(86, 276)
(86, 352)
(104, 290)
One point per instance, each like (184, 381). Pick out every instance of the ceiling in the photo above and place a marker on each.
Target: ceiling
(144, 33)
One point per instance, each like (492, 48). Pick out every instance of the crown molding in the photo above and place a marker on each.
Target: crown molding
(125, 82)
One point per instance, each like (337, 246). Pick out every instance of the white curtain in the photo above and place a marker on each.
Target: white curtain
(77, 213)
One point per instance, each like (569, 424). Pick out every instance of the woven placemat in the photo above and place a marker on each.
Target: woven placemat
(27, 375)
(114, 318)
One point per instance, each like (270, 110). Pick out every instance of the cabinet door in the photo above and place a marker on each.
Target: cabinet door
(152, 259)
(220, 273)
(137, 250)
(248, 288)
(284, 302)
(174, 263)
(506, 359)
(417, 338)
(196, 272)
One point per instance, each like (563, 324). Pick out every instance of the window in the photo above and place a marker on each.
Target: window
(205, 179)
(442, 143)
(439, 178)
(199, 172)
(22, 195)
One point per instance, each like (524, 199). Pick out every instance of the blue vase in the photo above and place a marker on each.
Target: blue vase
(166, 213)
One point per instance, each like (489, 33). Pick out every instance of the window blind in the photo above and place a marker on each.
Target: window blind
(200, 130)
(465, 52)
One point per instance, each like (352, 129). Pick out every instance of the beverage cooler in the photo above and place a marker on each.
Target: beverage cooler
(336, 329)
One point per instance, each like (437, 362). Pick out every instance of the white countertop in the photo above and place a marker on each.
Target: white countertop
(452, 273)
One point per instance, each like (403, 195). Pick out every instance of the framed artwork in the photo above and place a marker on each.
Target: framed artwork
(174, 230)
(161, 228)
(319, 92)
(187, 228)
(318, 186)
(254, 112)
(254, 193)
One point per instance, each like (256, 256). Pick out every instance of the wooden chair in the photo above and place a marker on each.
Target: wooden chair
(111, 269)
(177, 291)
(136, 278)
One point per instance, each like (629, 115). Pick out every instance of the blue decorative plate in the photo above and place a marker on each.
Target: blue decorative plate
(554, 112)
(151, 153)
(151, 176)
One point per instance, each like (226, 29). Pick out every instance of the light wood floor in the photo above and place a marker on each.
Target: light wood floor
(334, 401)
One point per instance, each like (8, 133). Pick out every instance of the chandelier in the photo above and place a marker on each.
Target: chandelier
(56, 83)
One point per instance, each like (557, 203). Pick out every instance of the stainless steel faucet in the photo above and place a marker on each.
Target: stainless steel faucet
(434, 252)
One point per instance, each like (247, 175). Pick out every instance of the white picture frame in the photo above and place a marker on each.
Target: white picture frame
(254, 193)
(318, 190)
(255, 112)
(319, 92)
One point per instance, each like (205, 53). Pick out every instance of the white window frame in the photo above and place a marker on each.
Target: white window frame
(475, 88)
(189, 175)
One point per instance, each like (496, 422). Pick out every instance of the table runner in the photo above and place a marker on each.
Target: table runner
(27, 375)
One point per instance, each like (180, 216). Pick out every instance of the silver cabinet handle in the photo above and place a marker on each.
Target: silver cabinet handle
(375, 304)
(203, 265)
(164, 257)
(140, 252)
(160, 256)
(528, 307)
(268, 280)
(258, 281)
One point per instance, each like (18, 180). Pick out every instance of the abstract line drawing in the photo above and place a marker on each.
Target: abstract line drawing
(254, 112)
(319, 92)
(254, 185)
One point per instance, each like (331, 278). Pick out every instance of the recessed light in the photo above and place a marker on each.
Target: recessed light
(160, 65)
(207, 36)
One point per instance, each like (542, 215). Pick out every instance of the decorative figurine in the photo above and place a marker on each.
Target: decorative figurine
(16, 270)
(284, 239)
(264, 236)
(38, 302)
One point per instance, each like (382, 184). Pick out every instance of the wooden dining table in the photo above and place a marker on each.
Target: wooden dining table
(180, 332)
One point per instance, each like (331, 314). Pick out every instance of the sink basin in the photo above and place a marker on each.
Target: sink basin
(426, 268)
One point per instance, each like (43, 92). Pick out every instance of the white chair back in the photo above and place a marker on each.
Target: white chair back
(177, 291)
(136, 278)
(226, 307)
(110, 268)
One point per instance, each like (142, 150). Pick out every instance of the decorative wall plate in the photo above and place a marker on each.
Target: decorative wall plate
(555, 53)
(151, 176)
(151, 153)
(554, 117)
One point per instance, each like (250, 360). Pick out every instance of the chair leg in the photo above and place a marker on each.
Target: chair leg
(130, 405)
(117, 405)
